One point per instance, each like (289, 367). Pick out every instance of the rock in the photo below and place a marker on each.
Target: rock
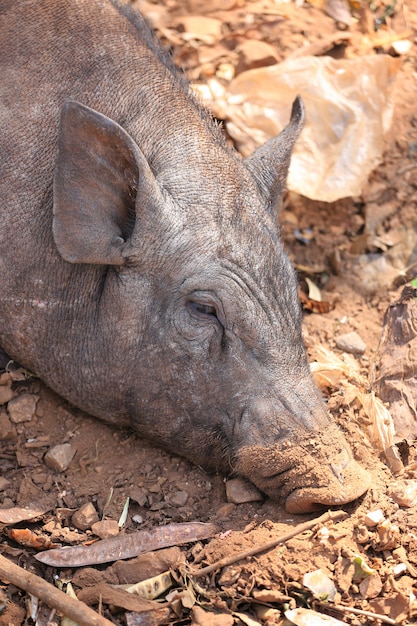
(401, 47)
(269, 595)
(239, 491)
(8, 503)
(41, 478)
(158, 16)
(377, 212)
(105, 528)
(200, 617)
(22, 408)
(267, 615)
(4, 483)
(254, 54)
(207, 29)
(138, 495)
(202, 6)
(179, 498)
(351, 342)
(229, 576)
(225, 71)
(85, 517)
(371, 586)
(373, 518)
(59, 457)
(7, 429)
(6, 393)
(225, 511)
(404, 492)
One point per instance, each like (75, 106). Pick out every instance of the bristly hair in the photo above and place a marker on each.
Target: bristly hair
(151, 41)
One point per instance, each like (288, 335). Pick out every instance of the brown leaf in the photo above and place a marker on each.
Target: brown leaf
(127, 546)
(25, 537)
(18, 514)
(116, 597)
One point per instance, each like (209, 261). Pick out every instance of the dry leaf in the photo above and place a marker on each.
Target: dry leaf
(150, 588)
(18, 514)
(126, 546)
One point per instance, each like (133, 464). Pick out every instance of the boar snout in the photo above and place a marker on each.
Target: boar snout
(311, 471)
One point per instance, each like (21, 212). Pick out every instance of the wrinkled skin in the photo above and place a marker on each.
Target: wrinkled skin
(142, 273)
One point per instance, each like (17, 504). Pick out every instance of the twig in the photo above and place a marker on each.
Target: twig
(53, 597)
(349, 609)
(326, 517)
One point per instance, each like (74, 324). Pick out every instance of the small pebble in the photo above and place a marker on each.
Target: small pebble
(269, 615)
(85, 517)
(253, 53)
(229, 576)
(200, 617)
(373, 518)
(40, 478)
(270, 595)
(351, 342)
(225, 510)
(207, 29)
(389, 536)
(371, 586)
(404, 492)
(6, 393)
(399, 569)
(59, 457)
(105, 528)
(179, 498)
(7, 429)
(4, 483)
(22, 408)
(401, 47)
(138, 495)
(239, 491)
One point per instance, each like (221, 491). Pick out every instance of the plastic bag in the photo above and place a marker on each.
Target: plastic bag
(349, 107)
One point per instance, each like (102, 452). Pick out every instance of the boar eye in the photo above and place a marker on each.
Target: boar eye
(202, 310)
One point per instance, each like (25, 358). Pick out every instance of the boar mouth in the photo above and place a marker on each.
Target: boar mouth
(310, 499)
(337, 486)
(316, 472)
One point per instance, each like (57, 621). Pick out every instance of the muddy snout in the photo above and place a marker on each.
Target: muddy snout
(312, 471)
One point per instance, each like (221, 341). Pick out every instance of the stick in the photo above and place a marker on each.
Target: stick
(326, 517)
(349, 609)
(53, 597)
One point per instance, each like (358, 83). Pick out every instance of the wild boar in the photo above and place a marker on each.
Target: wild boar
(142, 275)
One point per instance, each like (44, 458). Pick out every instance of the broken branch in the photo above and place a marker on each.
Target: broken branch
(53, 597)
(349, 609)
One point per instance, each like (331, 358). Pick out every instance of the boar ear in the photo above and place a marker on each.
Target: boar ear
(95, 187)
(269, 164)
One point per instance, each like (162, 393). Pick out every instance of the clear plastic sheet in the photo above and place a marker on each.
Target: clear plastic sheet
(349, 107)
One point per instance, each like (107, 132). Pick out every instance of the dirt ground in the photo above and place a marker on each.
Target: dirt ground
(366, 565)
